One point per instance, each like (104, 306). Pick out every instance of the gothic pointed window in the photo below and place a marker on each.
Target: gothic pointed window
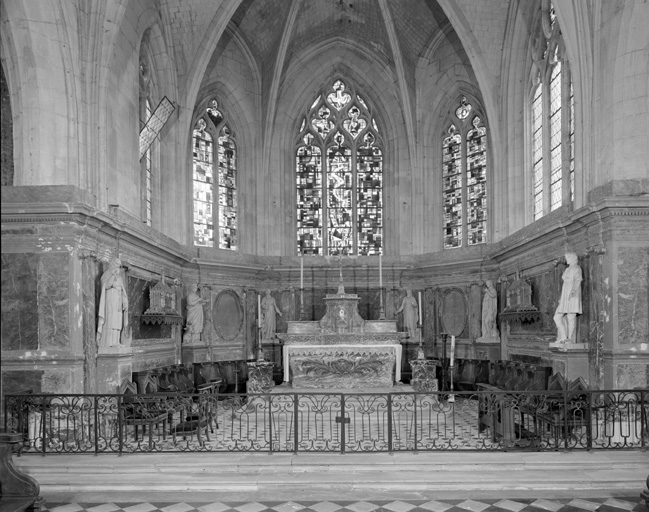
(339, 176)
(215, 180)
(552, 118)
(464, 178)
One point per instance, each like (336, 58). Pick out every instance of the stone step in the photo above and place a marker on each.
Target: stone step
(289, 473)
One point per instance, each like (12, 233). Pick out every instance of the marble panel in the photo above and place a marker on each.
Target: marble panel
(54, 300)
(632, 376)
(89, 269)
(21, 380)
(599, 313)
(19, 302)
(632, 295)
(57, 380)
(323, 367)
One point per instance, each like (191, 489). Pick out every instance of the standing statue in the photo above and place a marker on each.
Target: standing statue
(113, 306)
(565, 317)
(195, 317)
(268, 321)
(489, 312)
(410, 314)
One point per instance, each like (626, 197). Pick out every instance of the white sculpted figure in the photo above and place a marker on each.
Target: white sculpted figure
(489, 312)
(113, 306)
(565, 317)
(410, 314)
(195, 317)
(268, 321)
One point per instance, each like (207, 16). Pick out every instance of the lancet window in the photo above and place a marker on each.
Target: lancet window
(339, 176)
(552, 118)
(464, 178)
(215, 180)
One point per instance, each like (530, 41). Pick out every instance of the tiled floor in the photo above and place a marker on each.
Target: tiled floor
(618, 504)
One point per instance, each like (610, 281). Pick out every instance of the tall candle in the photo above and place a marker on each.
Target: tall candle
(301, 272)
(421, 318)
(452, 349)
(380, 271)
(259, 310)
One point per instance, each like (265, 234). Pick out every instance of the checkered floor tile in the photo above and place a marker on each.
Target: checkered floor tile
(626, 504)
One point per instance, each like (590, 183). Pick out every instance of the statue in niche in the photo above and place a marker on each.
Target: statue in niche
(565, 317)
(268, 320)
(113, 306)
(410, 314)
(195, 316)
(489, 312)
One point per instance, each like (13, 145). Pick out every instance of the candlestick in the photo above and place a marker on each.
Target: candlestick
(301, 272)
(259, 310)
(380, 271)
(452, 349)
(421, 318)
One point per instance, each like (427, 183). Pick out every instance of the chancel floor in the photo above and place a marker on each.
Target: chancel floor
(617, 504)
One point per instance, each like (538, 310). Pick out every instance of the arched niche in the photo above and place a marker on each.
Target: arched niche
(227, 312)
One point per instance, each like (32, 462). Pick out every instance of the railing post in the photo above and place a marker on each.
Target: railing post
(342, 423)
(295, 422)
(120, 433)
(96, 428)
(390, 423)
(270, 421)
(589, 425)
(43, 420)
(644, 426)
(565, 419)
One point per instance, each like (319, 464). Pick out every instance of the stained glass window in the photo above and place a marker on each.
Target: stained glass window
(537, 150)
(215, 181)
(552, 121)
(339, 176)
(464, 179)
(555, 137)
(476, 156)
(452, 187)
(203, 182)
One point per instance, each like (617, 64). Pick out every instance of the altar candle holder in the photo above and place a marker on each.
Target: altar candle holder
(381, 309)
(301, 303)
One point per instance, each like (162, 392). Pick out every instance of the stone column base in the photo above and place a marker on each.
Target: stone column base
(195, 353)
(570, 359)
(114, 365)
(260, 377)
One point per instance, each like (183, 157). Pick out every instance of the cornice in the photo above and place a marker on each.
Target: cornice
(86, 216)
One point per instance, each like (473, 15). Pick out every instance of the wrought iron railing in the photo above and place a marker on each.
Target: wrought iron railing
(283, 421)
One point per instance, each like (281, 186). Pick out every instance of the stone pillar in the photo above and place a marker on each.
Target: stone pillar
(260, 377)
(114, 364)
(424, 375)
(571, 361)
(195, 353)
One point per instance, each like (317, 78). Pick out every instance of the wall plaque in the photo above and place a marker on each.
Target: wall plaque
(454, 312)
(228, 315)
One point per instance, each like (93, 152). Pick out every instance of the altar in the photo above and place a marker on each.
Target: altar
(342, 350)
